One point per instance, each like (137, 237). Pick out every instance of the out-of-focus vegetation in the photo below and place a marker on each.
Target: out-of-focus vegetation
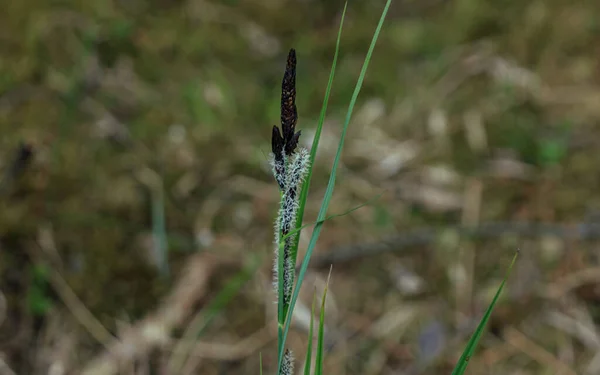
(135, 136)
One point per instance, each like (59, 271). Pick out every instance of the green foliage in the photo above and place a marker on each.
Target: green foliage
(320, 340)
(159, 230)
(463, 362)
(283, 326)
(39, 301)
(552, 151)
(308, 359)
(330, 186)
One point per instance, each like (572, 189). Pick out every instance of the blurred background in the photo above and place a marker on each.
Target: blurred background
(136, 199)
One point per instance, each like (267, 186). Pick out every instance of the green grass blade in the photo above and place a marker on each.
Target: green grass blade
(461, 366)
(317, 137)
(296, 230)
(330, 185)
(308, 360)
(260, 363)
(159, 229)
(282, 311)
(319, 359)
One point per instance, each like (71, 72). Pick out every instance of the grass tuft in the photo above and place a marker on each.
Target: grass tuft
(284, 330)
(461, 366)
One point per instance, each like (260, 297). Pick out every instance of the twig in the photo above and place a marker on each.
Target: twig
(3, 308)
(536, 352)
(73, 303)
(155, 329)
(78, 309)
(429, 235)
(230, 352)
(5, 369)
(572, 281)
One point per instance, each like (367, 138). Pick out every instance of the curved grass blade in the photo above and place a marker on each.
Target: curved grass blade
(319, 359)
(330, 185)
(296, 230)
(280, 303)
(308, 361)
(281, 308)
(317, 137)
(461, 366)
(282, 311)
(159, 229)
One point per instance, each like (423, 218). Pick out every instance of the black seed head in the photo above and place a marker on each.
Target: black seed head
(286, 140)
(289, 114)
(291, 145)
(277, 143)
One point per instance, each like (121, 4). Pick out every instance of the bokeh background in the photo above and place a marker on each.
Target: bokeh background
(136, 197)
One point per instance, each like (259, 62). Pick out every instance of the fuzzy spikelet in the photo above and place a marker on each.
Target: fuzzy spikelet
(277, 159)
(289, 114)
(289, 167)
(287, 365)
(296, 171)
(278, 169)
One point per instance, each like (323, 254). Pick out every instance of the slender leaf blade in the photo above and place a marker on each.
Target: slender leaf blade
(282, 311)
(317, 136)
(308, 361)
(320, 346)
(461, 366)
(331, 184)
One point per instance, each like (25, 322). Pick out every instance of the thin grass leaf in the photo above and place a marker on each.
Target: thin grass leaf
(281, 310)
(330, 186)
(320, 346)
(317, 137)
(461, 366)
(308, 360)
(260, 363)
(296, 230)
(159, 230)
(280, 306)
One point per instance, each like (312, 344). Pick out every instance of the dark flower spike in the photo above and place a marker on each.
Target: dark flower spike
(289, 113)
(289, 164)
(278, 161)
(277, 143)
(291, 144)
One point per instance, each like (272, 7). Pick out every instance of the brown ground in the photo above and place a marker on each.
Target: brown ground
(474, 118)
